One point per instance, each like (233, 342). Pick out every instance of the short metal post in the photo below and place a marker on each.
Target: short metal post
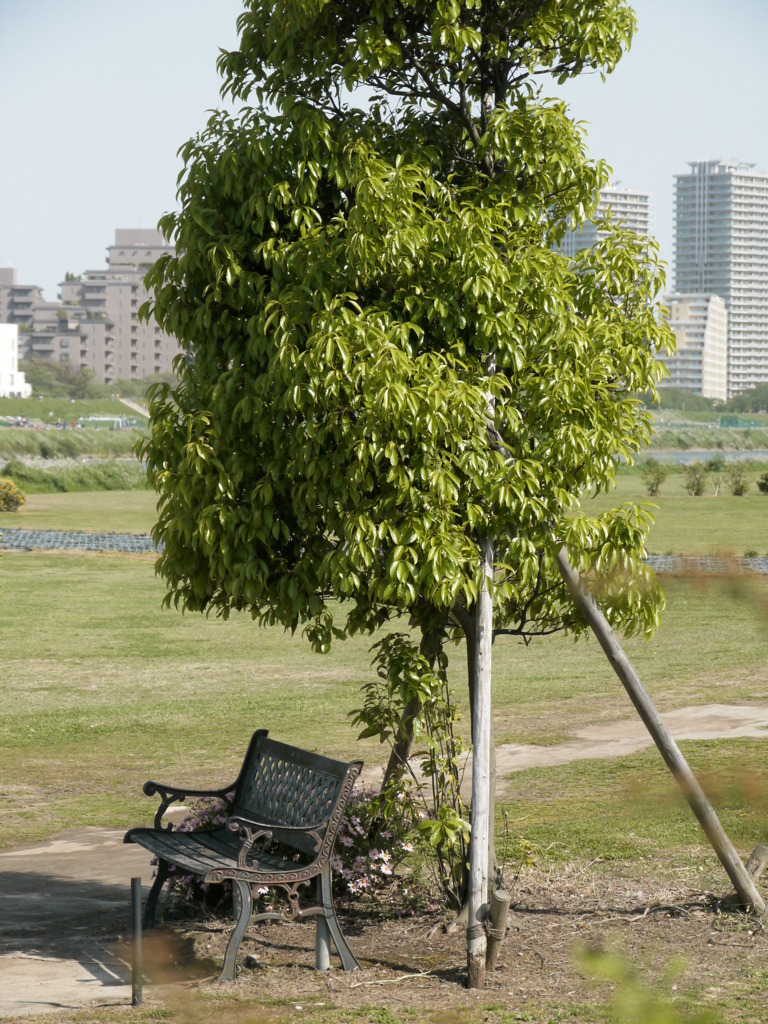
(323, 936)
(136, 993)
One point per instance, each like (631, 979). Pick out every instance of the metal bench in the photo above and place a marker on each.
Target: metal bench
(282, 795)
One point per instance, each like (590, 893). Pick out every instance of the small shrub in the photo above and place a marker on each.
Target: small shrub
(695, 479)
(762, 484)
(715, 464)
(372, 841)
(11, 496)
(370, 845)
(738, 481)
(654, 475)
(190, 890)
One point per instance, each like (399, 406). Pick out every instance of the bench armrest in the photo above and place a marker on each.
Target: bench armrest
(250, 829)
(171, 794)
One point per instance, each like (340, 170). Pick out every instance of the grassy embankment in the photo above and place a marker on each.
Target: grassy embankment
(42, 458)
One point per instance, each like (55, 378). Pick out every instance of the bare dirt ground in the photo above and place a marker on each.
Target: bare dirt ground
(418, 964)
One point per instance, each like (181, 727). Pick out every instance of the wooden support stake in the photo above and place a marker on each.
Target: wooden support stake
(701, 807)
(498, 912)
(757, 862)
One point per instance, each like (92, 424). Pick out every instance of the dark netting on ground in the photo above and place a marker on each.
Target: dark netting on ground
(56, 540)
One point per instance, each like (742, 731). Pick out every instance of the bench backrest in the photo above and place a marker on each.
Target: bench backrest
(284, 785)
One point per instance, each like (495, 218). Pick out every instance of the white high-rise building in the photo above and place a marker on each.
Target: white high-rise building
(700, 324)
(721, 248)
(623, 206)
(12, 383)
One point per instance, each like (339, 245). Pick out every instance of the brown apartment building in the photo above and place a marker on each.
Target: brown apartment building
(95, 323)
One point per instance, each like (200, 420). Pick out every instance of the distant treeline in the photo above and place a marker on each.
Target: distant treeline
(57, 380)
(754, 400)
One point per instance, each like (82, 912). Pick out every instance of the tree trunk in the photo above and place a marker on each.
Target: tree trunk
(401, 749)
(481, 719)
(662, 737)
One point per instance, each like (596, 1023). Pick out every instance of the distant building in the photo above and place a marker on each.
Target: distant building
(16, 300)
(721, 248)
(700, 365)
(122, 348)
(622, 206)
(70, 334)
(12, 382)
(96, 323)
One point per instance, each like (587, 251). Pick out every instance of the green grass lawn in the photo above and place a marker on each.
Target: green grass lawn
(629, 808)
(709, 524)
(102, 689)
(704, 525)
(93, 511)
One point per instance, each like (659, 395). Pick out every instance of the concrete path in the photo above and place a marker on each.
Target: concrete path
(65, 903)
(616, 739)
(65, 921)
(138, 407)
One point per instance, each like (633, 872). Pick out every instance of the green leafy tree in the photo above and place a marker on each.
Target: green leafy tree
(394, 386)
(753, 400)
(57, 380)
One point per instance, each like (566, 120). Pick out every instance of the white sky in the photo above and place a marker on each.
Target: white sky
(98, 95)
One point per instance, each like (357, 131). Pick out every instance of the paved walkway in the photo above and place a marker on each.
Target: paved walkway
(65, 921)
(138, 407)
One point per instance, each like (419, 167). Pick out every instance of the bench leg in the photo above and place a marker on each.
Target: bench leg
(322, 935)
(242, 906)
(348, 959)
(163, 868)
